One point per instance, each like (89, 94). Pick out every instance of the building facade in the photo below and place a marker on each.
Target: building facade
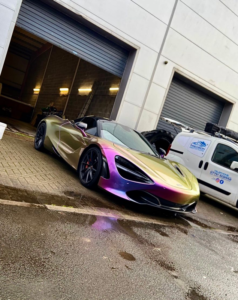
(175, 58)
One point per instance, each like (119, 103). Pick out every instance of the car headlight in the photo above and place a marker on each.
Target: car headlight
(131, 172)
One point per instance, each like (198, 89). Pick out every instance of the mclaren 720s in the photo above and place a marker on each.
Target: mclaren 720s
(119, 160)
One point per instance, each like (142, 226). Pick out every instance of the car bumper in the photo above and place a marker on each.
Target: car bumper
(157, 194)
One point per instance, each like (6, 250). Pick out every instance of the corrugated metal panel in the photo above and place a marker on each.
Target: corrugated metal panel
(190, 106)
(62, 31)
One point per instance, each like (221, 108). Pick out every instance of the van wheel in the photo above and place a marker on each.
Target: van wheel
(159, 138)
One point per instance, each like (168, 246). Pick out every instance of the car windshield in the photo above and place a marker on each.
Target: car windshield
(126, 137)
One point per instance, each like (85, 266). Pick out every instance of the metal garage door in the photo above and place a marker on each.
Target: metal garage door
(62, 31)
(190, 106)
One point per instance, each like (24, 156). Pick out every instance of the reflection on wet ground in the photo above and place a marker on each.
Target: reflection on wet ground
(107, 203)
(105, 224)
(123, 246)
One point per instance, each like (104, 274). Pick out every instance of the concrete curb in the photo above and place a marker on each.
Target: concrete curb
(116, 215)
(85, 211)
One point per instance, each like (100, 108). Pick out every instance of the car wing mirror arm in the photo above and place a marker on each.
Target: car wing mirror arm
(162, 153)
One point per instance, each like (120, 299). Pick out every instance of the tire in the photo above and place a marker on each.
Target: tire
(90, 167)
(40, 137)
(159, 138)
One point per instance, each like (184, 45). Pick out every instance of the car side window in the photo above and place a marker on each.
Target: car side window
(92, 131)
(224, 155)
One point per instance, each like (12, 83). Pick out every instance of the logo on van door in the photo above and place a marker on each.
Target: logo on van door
(220, 176)
(199, 147)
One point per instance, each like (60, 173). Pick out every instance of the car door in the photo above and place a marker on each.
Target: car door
(71, 139)
(217, 179)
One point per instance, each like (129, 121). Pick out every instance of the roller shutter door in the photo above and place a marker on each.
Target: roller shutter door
(64, 32)
(190, 106)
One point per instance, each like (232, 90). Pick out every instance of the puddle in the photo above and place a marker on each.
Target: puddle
(232, 229)
(161, 232)
(166, 265)
(199, 223)
(214, 226)
(233, 238)
(193, 294)
(181, 229)
(127, 256)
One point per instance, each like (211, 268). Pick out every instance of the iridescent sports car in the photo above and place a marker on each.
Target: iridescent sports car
(119, 160)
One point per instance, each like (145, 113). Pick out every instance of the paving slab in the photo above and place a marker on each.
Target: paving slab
(23, 167)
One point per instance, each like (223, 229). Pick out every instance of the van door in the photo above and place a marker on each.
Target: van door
(217, 179)
(197, 149)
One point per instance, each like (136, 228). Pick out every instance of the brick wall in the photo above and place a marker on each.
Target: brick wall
(102, 100)
(59, 74)
(34, 78)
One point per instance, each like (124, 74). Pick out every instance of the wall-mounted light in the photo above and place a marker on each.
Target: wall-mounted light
(64, 91)
(113, 89)
(84, 91)
(36, 91)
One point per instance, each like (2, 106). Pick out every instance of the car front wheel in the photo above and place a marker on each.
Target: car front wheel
(90, 167)
(40, 137)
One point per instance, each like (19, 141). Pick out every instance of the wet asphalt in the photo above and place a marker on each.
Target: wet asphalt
(59, 255)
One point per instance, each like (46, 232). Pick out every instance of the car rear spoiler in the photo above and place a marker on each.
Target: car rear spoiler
(177, 123)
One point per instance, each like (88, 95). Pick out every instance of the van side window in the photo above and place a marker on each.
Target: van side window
(224, 155)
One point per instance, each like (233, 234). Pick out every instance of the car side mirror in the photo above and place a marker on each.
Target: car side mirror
(81, 125)
(234, 166)
(162, 152)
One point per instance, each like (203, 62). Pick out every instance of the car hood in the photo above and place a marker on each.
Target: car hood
(158, 169)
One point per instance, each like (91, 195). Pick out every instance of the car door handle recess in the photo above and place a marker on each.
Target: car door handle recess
(206, 165)
(200, 164)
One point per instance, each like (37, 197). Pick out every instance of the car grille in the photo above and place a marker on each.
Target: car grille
(143, 197)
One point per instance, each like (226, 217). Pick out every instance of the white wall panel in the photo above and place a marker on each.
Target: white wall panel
(232, 5)
(128, 114)
(205, 36)
(6, 16)
(155, 98)
(161, 9)
(147, 121)
(145, 62)
(129, 18)
(218, 15)
(163, 72)
(12, 4)
(233, 126)
(137, 90)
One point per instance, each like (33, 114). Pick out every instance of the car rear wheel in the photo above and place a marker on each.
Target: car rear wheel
(40, 137)
(90, 167)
